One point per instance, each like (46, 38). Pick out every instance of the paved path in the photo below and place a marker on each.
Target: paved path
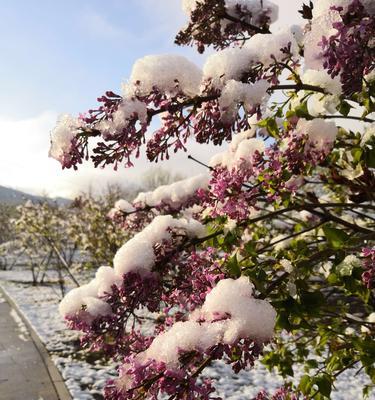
(23, 371)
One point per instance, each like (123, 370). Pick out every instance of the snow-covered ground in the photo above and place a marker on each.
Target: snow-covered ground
(85, 375)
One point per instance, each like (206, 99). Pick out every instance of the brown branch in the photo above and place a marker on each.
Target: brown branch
(364, 119)
(252, 27)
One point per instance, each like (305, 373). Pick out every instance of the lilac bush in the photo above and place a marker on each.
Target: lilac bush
(260, 256)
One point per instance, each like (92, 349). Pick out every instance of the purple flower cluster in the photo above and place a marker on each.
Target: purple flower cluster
(211, 23)
(277, 172)
(350, 52)
(283, 393)
(135, 376)
(368, 277)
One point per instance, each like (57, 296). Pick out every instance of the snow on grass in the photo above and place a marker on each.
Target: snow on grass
(85, 376)
(39, 305)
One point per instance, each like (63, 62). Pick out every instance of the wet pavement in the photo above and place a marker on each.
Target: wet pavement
(23, 372)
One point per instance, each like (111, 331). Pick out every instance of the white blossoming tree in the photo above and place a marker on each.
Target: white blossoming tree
(273, 242)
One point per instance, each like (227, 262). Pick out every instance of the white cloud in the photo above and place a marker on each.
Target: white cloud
(24, 162)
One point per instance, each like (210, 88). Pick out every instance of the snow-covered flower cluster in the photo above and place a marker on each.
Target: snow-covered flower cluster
(136, 256)
(320, 133)
(128, 110)
(62, 138)
(220, 23)
(175, 194)
(242, 149)
(169, 74)
(259, 50)
(251, 96)
(228, 314)
(230, 317)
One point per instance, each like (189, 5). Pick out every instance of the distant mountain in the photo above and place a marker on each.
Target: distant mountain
(13, 196)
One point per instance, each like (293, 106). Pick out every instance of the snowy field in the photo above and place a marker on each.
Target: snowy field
(85, 374)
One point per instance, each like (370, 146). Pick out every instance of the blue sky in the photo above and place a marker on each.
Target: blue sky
(61, 55)
(58, 57)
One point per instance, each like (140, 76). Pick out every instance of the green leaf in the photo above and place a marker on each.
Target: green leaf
(357, 154)
(344, 108)
(302, 111)
(305, 384)
(262, 123)
(369, 157)
(324, 385)
(282, 322)
(272, 128)
(250, 248)
(335, 237)
(312, 363)
(233, 267)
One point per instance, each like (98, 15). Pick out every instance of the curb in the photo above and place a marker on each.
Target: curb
(54, 374)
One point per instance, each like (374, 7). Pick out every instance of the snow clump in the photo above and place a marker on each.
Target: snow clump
(229, 313)
(137, 254)
(169, 74)
(175, 193)
(320, 103)
(129, 108)
(121, 206)
(241, 150)
(250, 95)
(320, 133)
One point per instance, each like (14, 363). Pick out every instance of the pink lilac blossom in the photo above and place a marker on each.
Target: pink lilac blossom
(348, 50)
(221, 324)
(368, 277)
(136, 256)
(220, 23)
(283, 393)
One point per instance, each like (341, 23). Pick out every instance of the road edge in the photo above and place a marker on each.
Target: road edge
(54, 374)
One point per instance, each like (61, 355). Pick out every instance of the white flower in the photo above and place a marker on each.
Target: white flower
(325, 269)
(368, 134)
(345, 268)
(287, 265)
(292, 289)
(349, 331)
(230, 225)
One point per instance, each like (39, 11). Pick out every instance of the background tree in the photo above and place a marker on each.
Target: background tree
(156, 177)
(43, 233)
(96, 235)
